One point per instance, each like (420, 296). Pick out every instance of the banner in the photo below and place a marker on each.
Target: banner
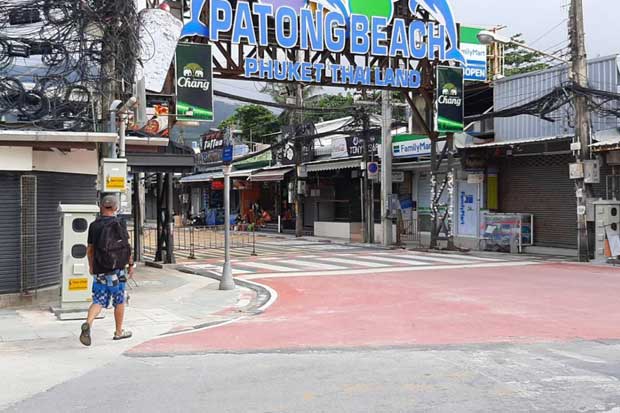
(475, 53)
(449, 113)
(194, 82)
(376, 29)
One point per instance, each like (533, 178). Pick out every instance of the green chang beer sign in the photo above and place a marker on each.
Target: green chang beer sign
(194, 82)
(449, 114)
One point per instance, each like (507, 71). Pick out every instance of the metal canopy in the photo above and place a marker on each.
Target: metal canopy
(334, 165)
(160, 163)
(275, 175)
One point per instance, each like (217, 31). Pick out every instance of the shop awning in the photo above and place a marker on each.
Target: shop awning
(529, 141)
(206, 177)
(351, 163)
(242, 174)
(274, 175)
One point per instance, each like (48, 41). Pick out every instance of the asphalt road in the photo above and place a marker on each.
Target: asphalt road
(381, 331)
(576, 377)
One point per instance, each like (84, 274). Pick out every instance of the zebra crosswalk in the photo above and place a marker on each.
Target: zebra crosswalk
(360, 262)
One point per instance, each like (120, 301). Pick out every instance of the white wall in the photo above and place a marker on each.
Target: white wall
(74, 162)
(341, 230)
(15, 158)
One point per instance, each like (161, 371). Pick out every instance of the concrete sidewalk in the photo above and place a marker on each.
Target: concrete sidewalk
(38, 352)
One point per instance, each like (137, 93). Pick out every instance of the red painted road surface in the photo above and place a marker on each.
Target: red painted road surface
(549, 302)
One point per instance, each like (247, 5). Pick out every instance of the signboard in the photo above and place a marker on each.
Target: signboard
(113, 175)
(340, 148)
(373, 170)
(159, 34)
(412, 146)
(78, 284)
(194, 82)
(476, 69)
(212, 147)
(449, 114)
(366, 29)
(468, 209)
(355, 145)
(227, 154)
(398, 177)
(286, 154)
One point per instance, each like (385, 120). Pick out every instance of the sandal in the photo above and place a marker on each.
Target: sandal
(123, 336)
(85, 335)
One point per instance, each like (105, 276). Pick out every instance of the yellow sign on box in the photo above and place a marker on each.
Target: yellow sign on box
(78, 284)
(115, 182)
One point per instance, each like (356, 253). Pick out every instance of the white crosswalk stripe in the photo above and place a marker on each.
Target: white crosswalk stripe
(314, 265)
(217, 269)
(433, 259)
(394, 260)
(460, 257)
(265, 266)
(356, 261)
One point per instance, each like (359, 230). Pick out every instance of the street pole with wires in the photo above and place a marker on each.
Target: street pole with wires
(298, 120)
(579, 74)
(227, 282)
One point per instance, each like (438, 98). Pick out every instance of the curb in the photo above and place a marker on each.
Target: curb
(265, 296)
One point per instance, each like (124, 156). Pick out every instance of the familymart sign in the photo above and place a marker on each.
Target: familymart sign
(359, 28)
(412, 146)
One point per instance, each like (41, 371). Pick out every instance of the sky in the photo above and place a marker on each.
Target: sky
(534, 18)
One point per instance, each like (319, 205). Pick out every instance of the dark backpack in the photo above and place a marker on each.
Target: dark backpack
(112, 250)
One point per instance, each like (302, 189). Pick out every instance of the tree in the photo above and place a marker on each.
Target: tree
(518, 60)
(338, 106)
(284, 94)
(254, 121)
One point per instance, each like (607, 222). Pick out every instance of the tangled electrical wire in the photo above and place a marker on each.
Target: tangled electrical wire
(60, 58)
(603, 103)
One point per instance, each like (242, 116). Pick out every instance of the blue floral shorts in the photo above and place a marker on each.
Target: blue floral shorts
(104, 293)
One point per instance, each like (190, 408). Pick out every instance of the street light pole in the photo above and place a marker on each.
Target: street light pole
(227, 282)
(386, 168)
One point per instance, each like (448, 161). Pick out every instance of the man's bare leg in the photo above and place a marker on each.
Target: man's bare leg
(119, 315)
(93, 312)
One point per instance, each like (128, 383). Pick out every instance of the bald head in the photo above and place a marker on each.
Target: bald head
(109, 205)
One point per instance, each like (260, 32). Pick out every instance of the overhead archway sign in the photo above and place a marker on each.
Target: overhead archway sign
(374, 44)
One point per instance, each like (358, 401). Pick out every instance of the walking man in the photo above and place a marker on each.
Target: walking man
(109, 254)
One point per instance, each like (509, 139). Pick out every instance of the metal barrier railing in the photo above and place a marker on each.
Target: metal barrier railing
(190, 240)
(409, 231)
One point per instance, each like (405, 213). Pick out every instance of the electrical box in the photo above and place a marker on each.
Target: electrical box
(77, 281)
(576, 171)
(607, 225)
(113, 175)
(592, 172)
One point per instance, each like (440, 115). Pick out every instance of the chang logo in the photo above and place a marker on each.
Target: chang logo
(193, 75)
(450, 95)
(193, 70)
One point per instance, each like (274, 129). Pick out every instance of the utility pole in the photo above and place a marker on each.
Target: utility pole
(227, 282)
(579, 74)
(386, 167)
(366, 222)
(299, 119)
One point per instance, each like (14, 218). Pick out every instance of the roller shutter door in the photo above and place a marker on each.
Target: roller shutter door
(9, 232)
(54, 188)
(540, 185)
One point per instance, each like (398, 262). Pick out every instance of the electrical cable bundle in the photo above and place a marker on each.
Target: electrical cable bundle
(60, 58)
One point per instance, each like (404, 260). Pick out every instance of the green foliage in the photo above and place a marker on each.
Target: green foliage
(338, 106)
(284, 94)
(254, 121)
(518, 60)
